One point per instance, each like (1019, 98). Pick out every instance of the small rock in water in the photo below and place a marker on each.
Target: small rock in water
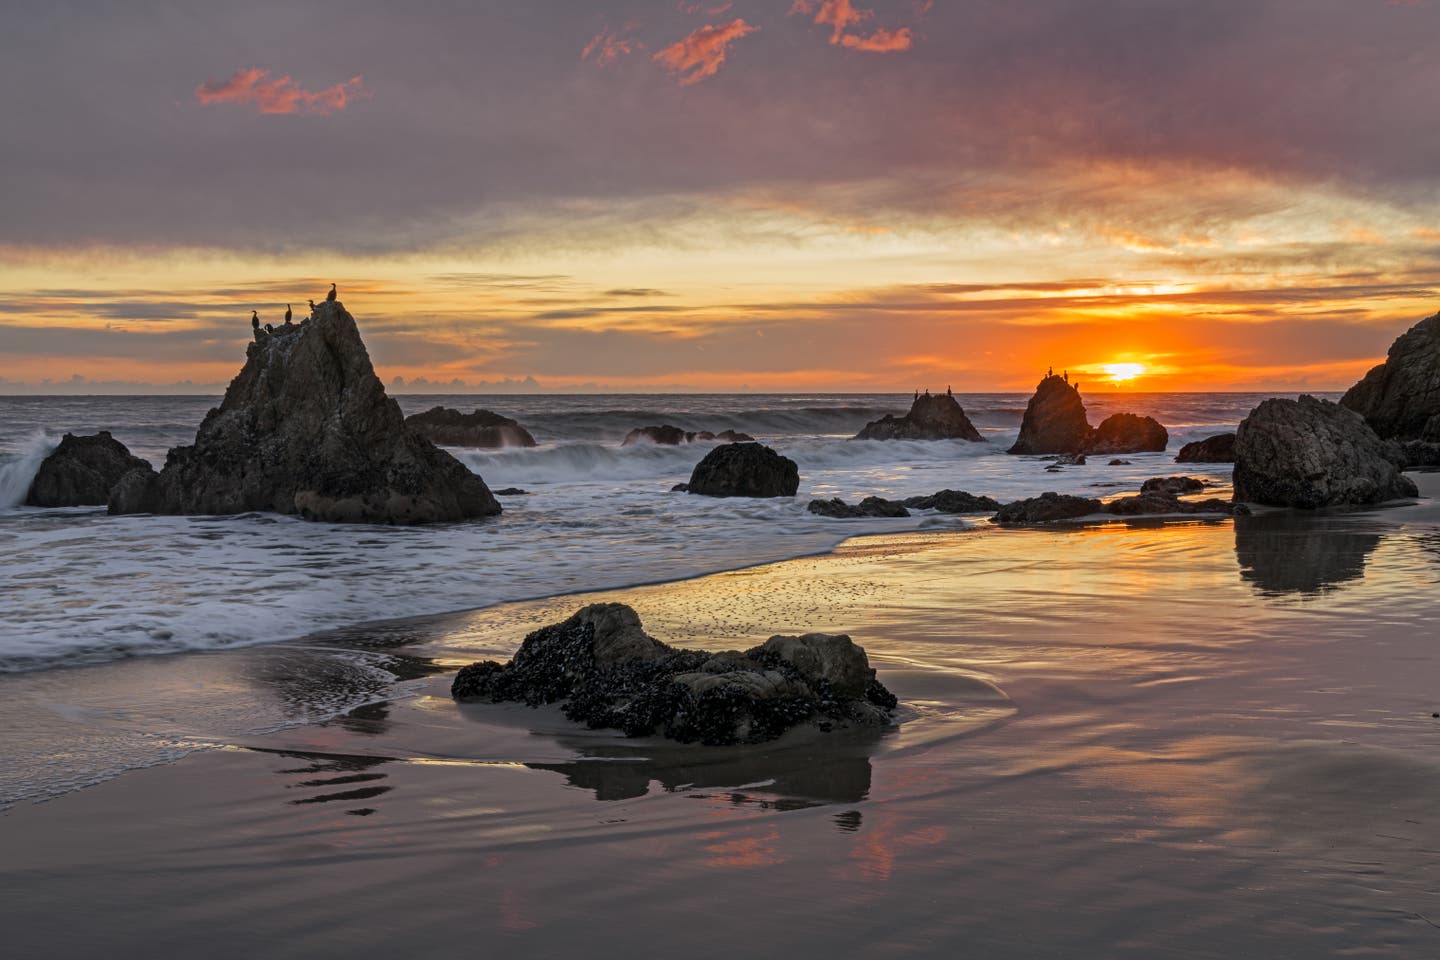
(512, 492)
(1117, 462)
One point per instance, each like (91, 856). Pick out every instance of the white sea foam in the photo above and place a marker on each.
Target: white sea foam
(18, 472)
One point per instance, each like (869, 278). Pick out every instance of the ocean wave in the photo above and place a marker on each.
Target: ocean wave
(18, 471)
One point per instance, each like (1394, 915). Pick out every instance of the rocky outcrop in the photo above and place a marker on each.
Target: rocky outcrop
(869, 507)
(1217, 449)
(1420, 454)
(744, 470)
(1400, 399)
(1047, 508)
(930, 418)
(1128, 433)
(81, 472)
(1054, 420)
(606, 672)
(306, 428)
(1311, 453)
(668, 436)
(1172, 486)
(953, 501)
(451, 428)
(1158, 502)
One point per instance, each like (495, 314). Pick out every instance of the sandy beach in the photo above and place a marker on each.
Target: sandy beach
(1195, 739)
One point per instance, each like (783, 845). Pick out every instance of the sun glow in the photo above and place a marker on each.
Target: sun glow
(1121, 372)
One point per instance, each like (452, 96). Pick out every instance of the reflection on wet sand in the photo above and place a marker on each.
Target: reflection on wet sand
(1290, 552)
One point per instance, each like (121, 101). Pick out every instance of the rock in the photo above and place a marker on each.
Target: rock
(1128, 433)
(512, 492)
(605, 671)
(1118, 463)
(1158, 502)
(1311, 453)
(680, 488)
(1054, 420)
(669, 436)
(953, 501)
(81, 472)
(1046, 508)
(482, 428)
(1172, 486)
(1217, 449)
(869, 507)
(732, 436)
(1420, 454)
(930, 418)
(1400, 398)
(745, 470)
(306, 428)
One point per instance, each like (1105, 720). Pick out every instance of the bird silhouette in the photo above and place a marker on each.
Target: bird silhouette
(312, 306)
(331, 295)
(269, 329)
(287, 313)
(254, 320)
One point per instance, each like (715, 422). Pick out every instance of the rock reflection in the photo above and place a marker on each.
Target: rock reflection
(347, 771)
(1290, 553)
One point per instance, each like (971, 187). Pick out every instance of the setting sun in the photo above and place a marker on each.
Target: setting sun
(1120, 372)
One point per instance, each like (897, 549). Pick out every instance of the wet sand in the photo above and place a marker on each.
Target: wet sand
(1189, 740)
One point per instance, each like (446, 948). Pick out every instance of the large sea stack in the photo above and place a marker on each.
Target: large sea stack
(81, 472)
(306, 428)
(1311, 453)
(930, 418)
(1054, 420)
(481, 428)
(1400, 398)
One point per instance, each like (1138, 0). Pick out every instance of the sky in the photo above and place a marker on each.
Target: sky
(772, 195)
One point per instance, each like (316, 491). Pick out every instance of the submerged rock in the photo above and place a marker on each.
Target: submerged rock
(1217, 449)
(511, 492)
(869, 507)
(953, 501)
(1172, 486)
(1047, 508)
(482, 428)
(1311, 453)
(930, 418)
(306, 428)
(1054, 420)
(605, 671)
(744, 470)
(1128, 433)
(1400, 398)
(81, 472)
(669, 436)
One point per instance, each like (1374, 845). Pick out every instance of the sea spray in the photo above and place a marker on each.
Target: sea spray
(18, 471)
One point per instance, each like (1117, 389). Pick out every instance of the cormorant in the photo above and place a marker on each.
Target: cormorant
(331, 294)
(287, 313)
(254, 320)
(312, 306)
(947, 391)
(269, 329)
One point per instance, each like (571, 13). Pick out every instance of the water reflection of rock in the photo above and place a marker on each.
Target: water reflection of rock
(333, 778)
(1291, 553)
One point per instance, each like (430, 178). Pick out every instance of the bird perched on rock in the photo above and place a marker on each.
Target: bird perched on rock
(269, 329)
(254, 320)
(331, 295)
(312, 307)
(287, 313)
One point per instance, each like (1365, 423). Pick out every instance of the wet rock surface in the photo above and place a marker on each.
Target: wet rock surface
(869, 507)
(606, 672)
(1047, 508)
(1172, 486)
(306, 428)
(1128, 433)
(953, 501)
(1158, 502)
(82, 471)
(669, 436)
(1217, 449)
(937, 417)
(744, 470)
(1054, 420)
(482, 428)
(1400, 398)
(1311, 453)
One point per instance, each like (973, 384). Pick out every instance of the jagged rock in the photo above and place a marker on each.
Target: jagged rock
(869, 507)
(1311, 453)
(1046, 508)
(930, 418)
(482, 428)
(1420, 453)
(1054, 420)
(1217, 449)
(953, 501)
(1159, 502)
(1128, 433)
(745, 470)
(81, 472)
(1400, 398)
(306, 428)
(669, 436)
(1172, 486)
(606, 671)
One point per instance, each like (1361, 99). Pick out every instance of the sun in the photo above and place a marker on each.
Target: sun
(1121, 372)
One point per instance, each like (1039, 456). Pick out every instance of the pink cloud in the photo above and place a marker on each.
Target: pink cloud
(254, 87)
(881, 41)
(701, 53)
(695, 6)
(608, 47)
(842, 16)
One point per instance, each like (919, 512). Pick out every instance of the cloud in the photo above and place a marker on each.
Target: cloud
(881, 41)
(701, 53)
(695, 6)
(254, 87)
(842, 16)
(607, 47)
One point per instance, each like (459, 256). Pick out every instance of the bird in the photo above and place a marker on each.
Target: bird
(269, 329)
(312, 306)
(254, 320)
(331, 295)
(287, 313)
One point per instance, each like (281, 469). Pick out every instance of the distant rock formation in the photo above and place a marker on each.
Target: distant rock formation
(1311, 453)
(953, 501)
(930, 418)
(606, 672)
(1046, 508)
(81, 472)
(670, 436)
(1172, 486)
(451, 428)
(1054, 420)
(1400, 398)
(744, 470)
(306, 428)
(869, 507)
(1217, 449)
(1128, 433)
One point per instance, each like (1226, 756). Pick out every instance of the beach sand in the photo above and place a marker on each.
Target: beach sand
(1199, 739)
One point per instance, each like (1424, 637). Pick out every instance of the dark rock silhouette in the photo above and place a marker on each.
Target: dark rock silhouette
(1046, 508)
(1127, 433)
(1420, 453)
(953, 501)
(1159, 502)
(669, 436)
(869, 507)
(1311, 453)
(1217, 449)
(482, 428)
(306, 428)
(511, 492)
(930, 418)
(1282, 553)
(1400, 398)
(1172, 486)
(81, 472)
(608, 673)
(744, 470)
(1054, 420)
